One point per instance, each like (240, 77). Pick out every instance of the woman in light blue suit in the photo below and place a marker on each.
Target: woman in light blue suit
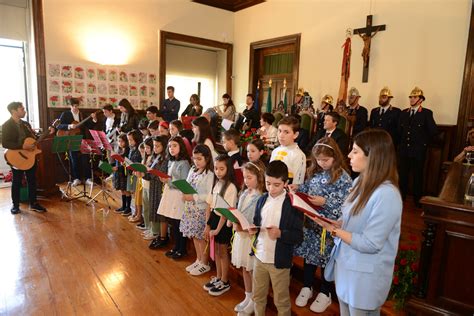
(367, 234)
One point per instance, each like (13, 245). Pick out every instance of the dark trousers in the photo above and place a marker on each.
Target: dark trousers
(16, 184)
(414, 166)
(179, 239)
(308, 278)
(79, 162)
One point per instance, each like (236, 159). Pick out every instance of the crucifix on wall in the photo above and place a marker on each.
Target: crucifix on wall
(366, 34)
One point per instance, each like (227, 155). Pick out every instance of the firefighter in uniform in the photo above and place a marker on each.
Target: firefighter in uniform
(386, 116)
(416, 128)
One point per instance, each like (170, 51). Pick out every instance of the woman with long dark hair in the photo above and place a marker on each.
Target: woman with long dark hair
(194, 107)
(227, 109)
(128, 118)
(366, 236)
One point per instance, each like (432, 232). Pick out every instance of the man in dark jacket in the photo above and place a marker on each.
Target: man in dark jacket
(170, 106)
(331, 120)
(14, 132)
(355, 109)
(416, 129)
(386, 116)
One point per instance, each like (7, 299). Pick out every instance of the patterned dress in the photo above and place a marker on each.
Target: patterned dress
(335, 195)
(120, 179)
(135, 156)
(193, 222)
(156, 186)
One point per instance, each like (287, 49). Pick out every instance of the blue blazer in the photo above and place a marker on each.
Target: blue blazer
(363, 270)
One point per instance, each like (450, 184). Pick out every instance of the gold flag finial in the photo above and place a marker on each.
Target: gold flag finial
(270, 83)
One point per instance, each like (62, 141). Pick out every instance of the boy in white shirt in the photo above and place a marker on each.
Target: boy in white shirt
(279, 227)
(288, 151)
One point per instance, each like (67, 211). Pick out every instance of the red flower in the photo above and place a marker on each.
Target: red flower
(403, 262)
(413, 247)
(395, 280)
(414, 266)
(403, 247)
(412, 237)
(395, 268)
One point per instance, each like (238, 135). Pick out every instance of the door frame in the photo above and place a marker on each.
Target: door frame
(273, 42)
(170, 36)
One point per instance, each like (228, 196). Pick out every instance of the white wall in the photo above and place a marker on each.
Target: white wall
(424, 44)
(70, 25)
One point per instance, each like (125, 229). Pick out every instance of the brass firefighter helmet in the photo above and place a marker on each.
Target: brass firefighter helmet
(327, 99)
(417, 92)
(386, 92)
(353, 92)
(300, 92)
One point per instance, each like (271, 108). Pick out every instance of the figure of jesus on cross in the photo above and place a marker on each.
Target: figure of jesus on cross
(366, 34)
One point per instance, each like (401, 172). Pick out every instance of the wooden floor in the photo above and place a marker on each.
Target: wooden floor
(77, 259)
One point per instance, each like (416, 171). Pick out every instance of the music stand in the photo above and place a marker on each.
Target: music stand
(105, 168)
(91, 148)
(66, 144)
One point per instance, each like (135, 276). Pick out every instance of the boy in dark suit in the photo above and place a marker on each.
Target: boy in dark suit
(279, 227)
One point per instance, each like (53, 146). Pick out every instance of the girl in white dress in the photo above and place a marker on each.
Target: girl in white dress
(172, 204)
(254, 181)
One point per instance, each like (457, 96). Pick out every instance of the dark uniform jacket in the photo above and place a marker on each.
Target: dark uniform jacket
(388, 121)
(416, 132)
(362, 116)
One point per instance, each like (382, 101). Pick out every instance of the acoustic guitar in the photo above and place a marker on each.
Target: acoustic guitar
(24, 159)
(77, 130)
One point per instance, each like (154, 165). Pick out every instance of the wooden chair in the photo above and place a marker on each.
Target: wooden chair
(307, 122)
(278, 116)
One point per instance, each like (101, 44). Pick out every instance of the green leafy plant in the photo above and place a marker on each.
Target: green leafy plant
(405, 275)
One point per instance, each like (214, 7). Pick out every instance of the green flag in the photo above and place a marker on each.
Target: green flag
(285, 101)
(269, 100)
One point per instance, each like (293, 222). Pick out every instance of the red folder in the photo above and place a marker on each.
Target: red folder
(159, 173)
(301, 202)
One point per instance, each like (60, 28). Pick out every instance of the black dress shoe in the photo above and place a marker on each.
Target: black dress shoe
(170, 253)
(178, 255)
(119, 210)
(127, 212)
(38, 208)
(15, 210)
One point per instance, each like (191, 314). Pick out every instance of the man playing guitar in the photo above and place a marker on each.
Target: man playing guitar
(14, 132)
(69, 122)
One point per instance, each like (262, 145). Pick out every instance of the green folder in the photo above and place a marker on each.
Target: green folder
(227, 214)
(138, 167)
(184, 187)
(105, 167)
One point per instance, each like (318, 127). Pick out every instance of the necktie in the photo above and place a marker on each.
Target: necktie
(412, 113)
(382, 112)
(328, 134)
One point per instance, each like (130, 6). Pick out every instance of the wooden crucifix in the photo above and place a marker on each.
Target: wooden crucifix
(366, 34)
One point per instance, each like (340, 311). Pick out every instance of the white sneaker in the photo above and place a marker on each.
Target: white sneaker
(192, 266)
(76, 182)
(149, 236)
(240, 307)
(305, 294)
(89, 182)
(200, 269)
(321, 303)
(249, 309)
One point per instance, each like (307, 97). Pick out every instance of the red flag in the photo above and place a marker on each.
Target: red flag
(346, 70)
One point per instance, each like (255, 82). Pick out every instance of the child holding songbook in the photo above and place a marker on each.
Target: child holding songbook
(158, 225)
(193, 222)
(231, 143)
(328, 186)
(254, 186)
(138, 196)
(120, 177)
(224, 194)
(147, 160)
(278, 228)
(134, 139)
(172, 204)
(176, 127)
